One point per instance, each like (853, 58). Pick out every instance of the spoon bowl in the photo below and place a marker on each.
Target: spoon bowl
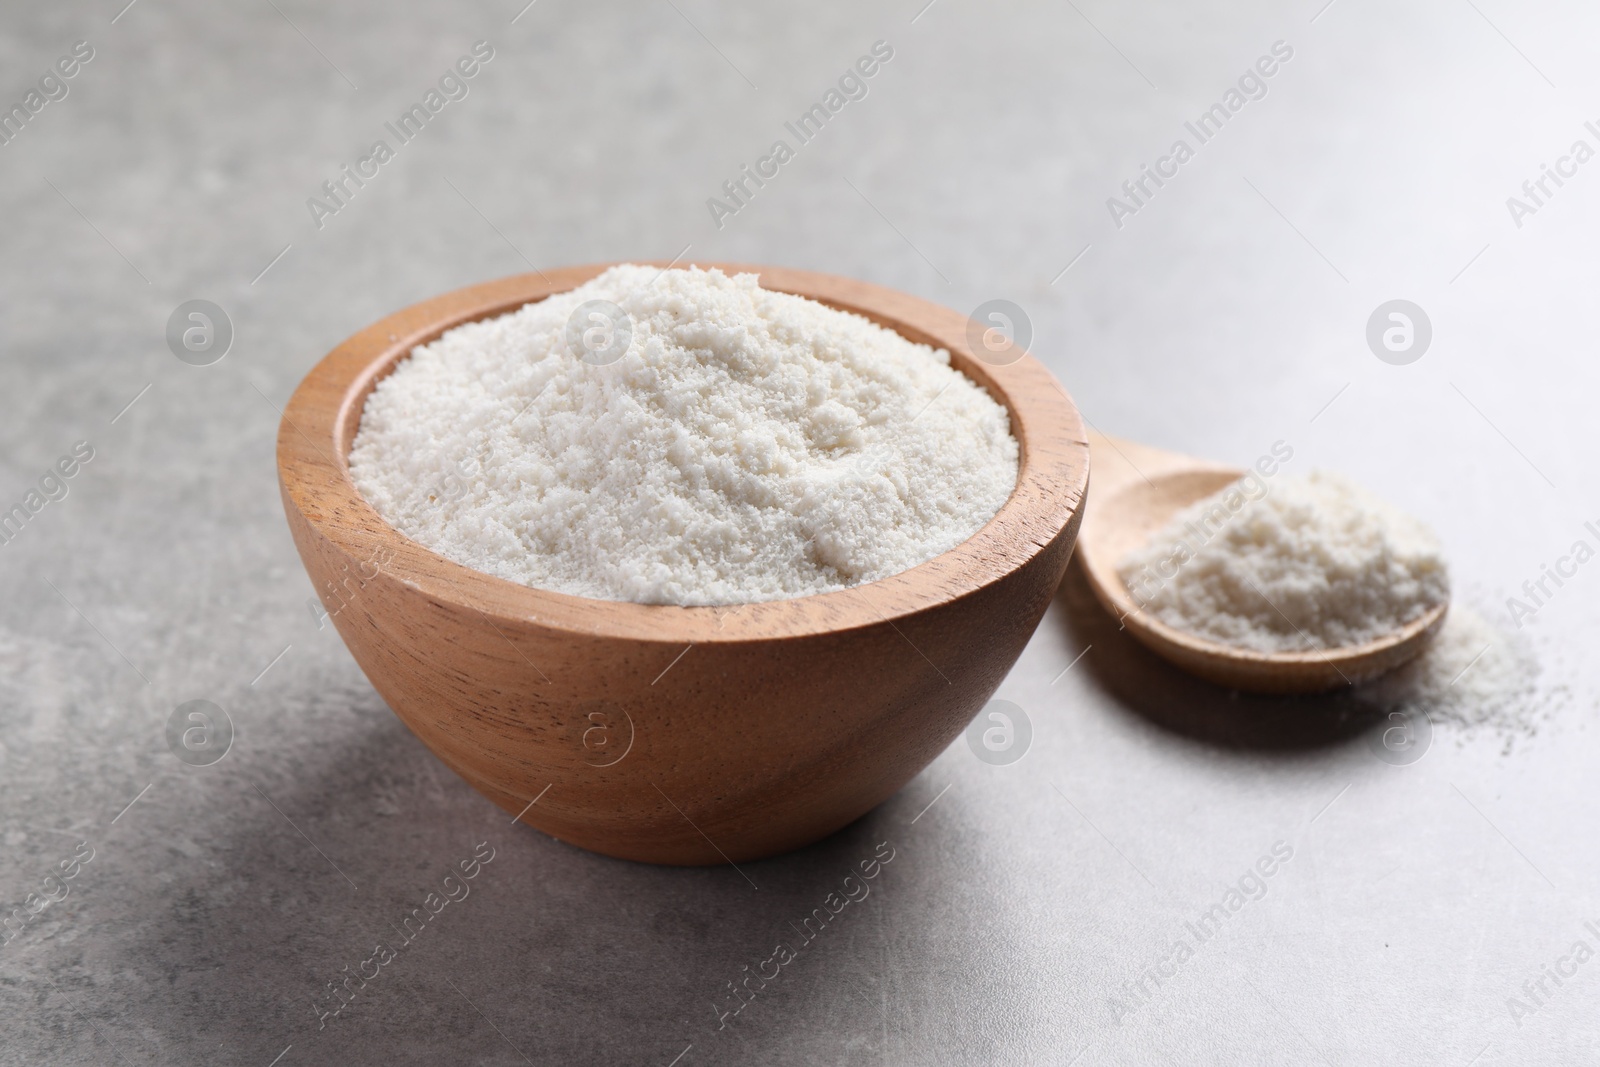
(1137, 490)
(685, 735)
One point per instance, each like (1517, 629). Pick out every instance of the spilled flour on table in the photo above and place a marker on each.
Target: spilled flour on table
(1475, 678)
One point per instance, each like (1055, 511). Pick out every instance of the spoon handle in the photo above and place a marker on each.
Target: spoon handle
(1116, 462)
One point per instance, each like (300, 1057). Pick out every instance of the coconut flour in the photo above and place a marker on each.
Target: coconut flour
(1471, 676)
(745, 445)
(1316, 562)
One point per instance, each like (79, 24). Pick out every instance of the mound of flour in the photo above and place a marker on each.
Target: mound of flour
(747, 446)
(1315, 562)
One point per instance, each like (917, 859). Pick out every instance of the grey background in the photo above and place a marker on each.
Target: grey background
(1225, 315)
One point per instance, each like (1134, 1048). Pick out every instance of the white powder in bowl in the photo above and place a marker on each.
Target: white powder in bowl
(1316, 562)
(747, 446)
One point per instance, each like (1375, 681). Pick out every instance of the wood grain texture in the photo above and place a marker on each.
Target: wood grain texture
(685, 735)
(1137, 490)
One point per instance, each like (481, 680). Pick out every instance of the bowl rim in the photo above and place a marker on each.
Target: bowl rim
(320, 419)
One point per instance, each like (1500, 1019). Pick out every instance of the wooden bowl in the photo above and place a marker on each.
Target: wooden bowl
(686, 735)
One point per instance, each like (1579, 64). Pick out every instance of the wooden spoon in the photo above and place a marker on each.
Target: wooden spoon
(1135, 490)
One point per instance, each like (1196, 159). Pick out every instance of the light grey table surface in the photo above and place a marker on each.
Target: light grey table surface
(1227, 313)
